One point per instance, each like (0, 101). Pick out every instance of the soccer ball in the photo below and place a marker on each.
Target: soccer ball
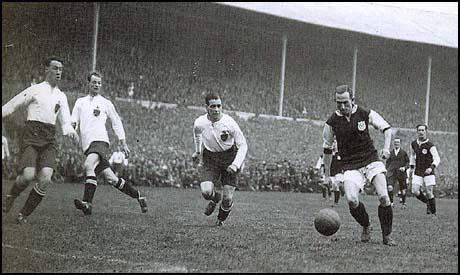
(327, 222)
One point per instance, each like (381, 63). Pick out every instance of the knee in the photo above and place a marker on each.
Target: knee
(207, 188)
(112, 180)
(353, 202)
(384, 200)
(390, 188)
(27, 177)
(89, 167)
(43, 183)
(416, 191)
(227, 203)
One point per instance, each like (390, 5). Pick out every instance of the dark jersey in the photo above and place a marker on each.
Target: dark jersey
(354, 143)
(423, 157)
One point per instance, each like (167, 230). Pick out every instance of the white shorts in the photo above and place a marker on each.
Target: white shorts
(337, 180)
(359, 176)
(418, 181)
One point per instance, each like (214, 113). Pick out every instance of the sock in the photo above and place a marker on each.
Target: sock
(403, 198)
(360, 214)
(432, 205)
(336, 196)
(400, 197)
(324, 192)
(126, 188)
(15, 190)
(391, 194)
(35, 197)
(422, 198)
(329, 192)
(386, 219)
(90, 189)
(223, 213)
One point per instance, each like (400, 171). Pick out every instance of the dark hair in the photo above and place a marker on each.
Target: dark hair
(422, 124)
(95, 74)
(211, 96)
(48, 60)
(343, 89)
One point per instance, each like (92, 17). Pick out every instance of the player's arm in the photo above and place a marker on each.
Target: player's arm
(75, 116)
(411, 161)
(117, 127)
(22, 99)
(377, 121)
(64, 119)
(436, 160)
(328, 140)
(197, 140)
(242, 146)
(7, 150)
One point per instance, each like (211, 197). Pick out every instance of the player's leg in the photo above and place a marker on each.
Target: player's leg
(335, 189)
(27, 164)
(37, 193)
(90, 164)
(403, 191)
(390, 193)
(121, 184)
(417, 183)
(353, 183)
(430, 183)
(209, 175)
(227, 203)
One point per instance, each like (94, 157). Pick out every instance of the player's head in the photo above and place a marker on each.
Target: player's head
(95, 83)
(344, 99)
(213, 106)
(53, 69)
(397, 143)
(422, 130)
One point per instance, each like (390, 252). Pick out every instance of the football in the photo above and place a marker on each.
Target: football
(327, 222)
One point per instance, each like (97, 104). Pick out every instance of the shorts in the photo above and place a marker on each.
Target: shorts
(102, 149)
(359, 176)
(215, 165)
(418, 181)
(38, 157)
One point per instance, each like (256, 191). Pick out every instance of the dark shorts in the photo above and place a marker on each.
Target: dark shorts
(401, 181)
(38, 146)
(103, 150)
(215, 165)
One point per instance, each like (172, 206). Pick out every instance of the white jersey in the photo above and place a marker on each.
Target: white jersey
(90, 114)
(44, 104)
(118, 158)
(220, 136)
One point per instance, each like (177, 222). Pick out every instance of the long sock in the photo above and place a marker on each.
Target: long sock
(35, 197)
(360, 214)
(90, 188)
(432, 204)
(403, 197)
(336, 196)
(324, 192)
(386, 219)
(329, 192)
(391, 194)
(223, 213)
(422, 198)
(128, 189)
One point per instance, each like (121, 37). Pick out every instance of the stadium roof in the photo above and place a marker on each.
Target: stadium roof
(411, 22)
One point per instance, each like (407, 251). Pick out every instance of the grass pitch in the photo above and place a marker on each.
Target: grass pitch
(265, 232)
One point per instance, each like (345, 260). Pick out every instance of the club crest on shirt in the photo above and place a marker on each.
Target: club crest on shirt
(57, 107)
(361, 125)
(224, 135)
(424, 151)
(96, 111)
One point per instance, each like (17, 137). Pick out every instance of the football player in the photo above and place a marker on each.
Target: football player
(424, 158)
(44, 103)
(222, 148)
(349, 124)
(89, 116)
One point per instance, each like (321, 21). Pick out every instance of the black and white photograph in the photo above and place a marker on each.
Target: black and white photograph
(229, 137)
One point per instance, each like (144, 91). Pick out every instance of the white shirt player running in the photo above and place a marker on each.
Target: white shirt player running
(209, 134)
(90, 114)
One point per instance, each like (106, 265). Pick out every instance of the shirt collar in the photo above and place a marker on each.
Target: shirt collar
(421, 142)
(353, 110)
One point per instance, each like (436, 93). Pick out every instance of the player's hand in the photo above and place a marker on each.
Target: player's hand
(402, 169)
(126, 150)
(196, 158)
(428, 170)
(385, 154)
(232, 169)
(74, 136)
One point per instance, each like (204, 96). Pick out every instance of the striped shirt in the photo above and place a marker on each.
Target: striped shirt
(44, 104)
(220, 136)
(90, 114)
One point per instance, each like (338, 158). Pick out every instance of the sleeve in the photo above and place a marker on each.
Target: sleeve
(21, 99)
(197, 138)
(117, 125)
(242, 145)
(406, 160)
(377, 121)
(64, 116)
(7, 150)
(112, 157)
(328, 137)
(412, 155)
(75, 117)
(319, 163)
(436, 158)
